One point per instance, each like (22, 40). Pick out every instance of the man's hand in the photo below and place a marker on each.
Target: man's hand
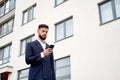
(47, 52)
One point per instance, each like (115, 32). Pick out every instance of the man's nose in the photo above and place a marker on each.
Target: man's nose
(45, 33)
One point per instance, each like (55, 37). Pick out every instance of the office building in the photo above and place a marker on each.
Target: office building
(85, 34)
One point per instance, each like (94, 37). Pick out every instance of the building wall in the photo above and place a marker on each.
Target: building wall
(93, 49)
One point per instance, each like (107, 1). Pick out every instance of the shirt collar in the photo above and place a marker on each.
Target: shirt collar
(41, 42)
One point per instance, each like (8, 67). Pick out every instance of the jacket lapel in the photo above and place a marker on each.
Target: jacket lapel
(39, 45)
(47, 46)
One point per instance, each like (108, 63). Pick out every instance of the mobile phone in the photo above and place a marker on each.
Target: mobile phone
(51, 46)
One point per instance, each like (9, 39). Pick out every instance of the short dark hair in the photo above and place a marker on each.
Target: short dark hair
(43, 26)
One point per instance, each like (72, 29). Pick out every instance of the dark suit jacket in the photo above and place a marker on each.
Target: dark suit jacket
(40, 68)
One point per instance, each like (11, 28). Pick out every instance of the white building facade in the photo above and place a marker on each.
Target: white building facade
(85, 34)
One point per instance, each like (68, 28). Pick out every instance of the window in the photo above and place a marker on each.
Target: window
(62, 67)
(24, 42)
(29, 14)
(1, 10)
(6, 27)
(5, 54)
(117, 6)
(6, 6)
(64, 29)
(58, 2)
(109, 10)
(23, 74)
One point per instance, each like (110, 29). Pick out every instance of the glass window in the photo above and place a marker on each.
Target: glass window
(24, 42)
(1, 10)
(64, 29)
(12, 4)
(60, 31)
(2, 30)
(10, 25)
(69, 27)
(5, 54)
(109, 10)
(23, 74)
(117, 5)
(63, 65)
(25, 17)
(59, 2)
(7, 6)
(34, 12)
(106, 12)
(6, 27)
(29, 14)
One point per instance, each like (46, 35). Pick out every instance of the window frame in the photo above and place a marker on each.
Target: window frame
(8, 31)
(28, 14)
(64, 66)
(25, 39)
(64, 23)
(9, 8)
(20, 72)
(113, 11)
(55, 2)
(8, 58)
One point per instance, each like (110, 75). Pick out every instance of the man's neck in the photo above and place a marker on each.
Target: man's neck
(43, 41)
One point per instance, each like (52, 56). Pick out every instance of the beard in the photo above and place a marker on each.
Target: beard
(42, 38)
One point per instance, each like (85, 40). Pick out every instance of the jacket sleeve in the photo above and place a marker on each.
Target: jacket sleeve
(29, 57)
(52, 66)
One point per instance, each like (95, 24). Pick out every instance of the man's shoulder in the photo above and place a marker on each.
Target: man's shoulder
(31, 42)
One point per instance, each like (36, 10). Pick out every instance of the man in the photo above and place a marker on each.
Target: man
(40, 57)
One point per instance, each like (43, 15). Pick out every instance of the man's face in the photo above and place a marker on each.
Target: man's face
(42, 32)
